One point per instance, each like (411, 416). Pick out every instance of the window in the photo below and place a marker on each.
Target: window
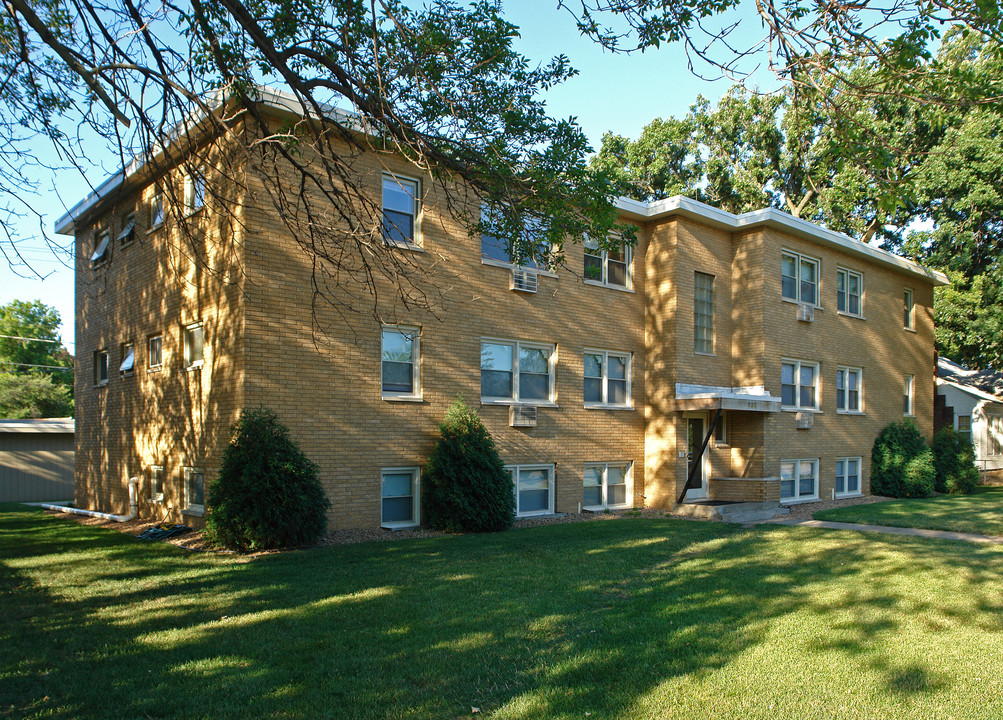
(607, 378)
(907, 394)
(799, 278)
(399, 497)
(194, 491)
(400, 363)
(847, 476)
(798, 479)
(534, 489)
(799, 385)
(607, 267)
(101, 367)
(703, 313)
(516, 371)
(193, 346)
(154, 352)
(156, 483)
(128, 232)
(848, 389)
(195, 191)
(128, 363)
(100, 254)
(400, 210)
(606, 485)
(721, 430)
(994, 435)
(909, 309)
(849, 287)
(965, 427)
(157, 210)
(529, 251)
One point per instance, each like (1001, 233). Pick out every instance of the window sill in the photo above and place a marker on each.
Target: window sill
(398, 526)
(850, 412)
(606, 508)
(413, 247)
(599, 406)
(154, 369)
(799, 501)
(840, 313)
(194, 511)
(403, 398)
(797, 410)
(192, 368)
(798, 302)
(513, 266)
(535, 403)
(541, 514)
(620, 288)
(101, 384)
(704, 354)
(907, 329)
(845, 496)
(155, 228)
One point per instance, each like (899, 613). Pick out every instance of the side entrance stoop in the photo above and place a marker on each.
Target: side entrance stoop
(732, 512)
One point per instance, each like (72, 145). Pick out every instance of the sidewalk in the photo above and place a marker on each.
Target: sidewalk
(914, 532)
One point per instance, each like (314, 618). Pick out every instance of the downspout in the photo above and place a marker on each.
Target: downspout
(133, 509)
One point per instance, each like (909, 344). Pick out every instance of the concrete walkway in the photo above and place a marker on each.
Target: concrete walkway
(914, 532)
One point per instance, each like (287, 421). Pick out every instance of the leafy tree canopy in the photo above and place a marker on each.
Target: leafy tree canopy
(33, 395)
(30, 342)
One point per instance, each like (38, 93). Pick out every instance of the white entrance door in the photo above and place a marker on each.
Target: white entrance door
(696, 430)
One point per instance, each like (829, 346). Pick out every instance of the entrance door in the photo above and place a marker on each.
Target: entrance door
(696, 430)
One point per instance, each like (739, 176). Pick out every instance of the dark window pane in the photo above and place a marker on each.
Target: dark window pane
(593, 268)
(787, 395)
(617, 273)
(397, 227)
(616, 494)
(840, 398)
(534, 387)
(397, 509)
(397, 377)
(592, 496)
(617, 392)
(855, 304)
(534, 500)
(787, 488)
(494, 248)
(593, 390)
(496, 383)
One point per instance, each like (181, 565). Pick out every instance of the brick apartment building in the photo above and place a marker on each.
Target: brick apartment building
(600, 380)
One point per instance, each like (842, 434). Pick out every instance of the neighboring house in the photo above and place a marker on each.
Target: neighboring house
(973, 412)
(36, 460)
(600, 380)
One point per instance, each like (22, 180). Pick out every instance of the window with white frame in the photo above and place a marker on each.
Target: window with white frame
(849, 289)
(908, 381)
(128, 232)
(847, 476)
(608, 267)
(194, 490)
(400, 209)
(607, 378)
(128, 363)
(606, 485)
(799, 385)
(965, 427)
(703, 313)
(799, 479)
(516, 372)
(101, 367)
(848, 389)
(400, 363)
(195, 191)
(193, 345)
(529, 251)
(908, 310)
(101, 247)
(994, 435)
(533, 486)
(156, 483)
(399, 496)
(799, 278)
(154, 352)
(156, 210)
(721, 430)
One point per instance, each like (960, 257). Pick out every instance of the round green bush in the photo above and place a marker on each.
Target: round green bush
(954, 462)
(267, 494)
(465, 487)
(901, 463)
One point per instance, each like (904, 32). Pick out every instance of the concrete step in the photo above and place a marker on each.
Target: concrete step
(736, 512)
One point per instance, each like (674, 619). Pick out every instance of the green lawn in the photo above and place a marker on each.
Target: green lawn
(981, 512)
(632, 618)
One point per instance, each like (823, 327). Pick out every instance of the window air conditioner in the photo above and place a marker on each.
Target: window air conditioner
(804, 420)
(806, 312)
(524, 280)
(522, 416)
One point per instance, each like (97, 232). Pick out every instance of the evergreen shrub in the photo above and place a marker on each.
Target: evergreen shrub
(901, 463)
(268, 494)
(465, 487)
(954, 462)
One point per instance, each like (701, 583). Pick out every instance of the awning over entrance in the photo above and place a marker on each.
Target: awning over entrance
(750, 398)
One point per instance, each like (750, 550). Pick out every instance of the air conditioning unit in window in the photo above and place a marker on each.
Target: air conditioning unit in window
(806, 312)
(804, 420)
(525, 280)
(522, 416)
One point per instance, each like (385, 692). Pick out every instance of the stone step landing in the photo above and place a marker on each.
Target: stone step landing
(732, 512)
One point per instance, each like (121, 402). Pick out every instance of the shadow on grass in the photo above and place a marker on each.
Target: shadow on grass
(535, 623)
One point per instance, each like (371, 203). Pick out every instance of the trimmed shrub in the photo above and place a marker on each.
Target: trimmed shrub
(954, 462)
(465, 487)
(901, 463)
(267, 494)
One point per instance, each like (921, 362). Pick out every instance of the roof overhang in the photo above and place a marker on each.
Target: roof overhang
(680, 206)
(971, 391)
(45, 425)
(711, 397)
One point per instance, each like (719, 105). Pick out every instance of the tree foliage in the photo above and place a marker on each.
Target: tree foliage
(33, 395)
(465, 487)
(901, 463)
(36, 371)
(954, 462)
(267, 494)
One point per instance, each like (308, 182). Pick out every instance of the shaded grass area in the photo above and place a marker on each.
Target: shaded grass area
(633, 618)
(981, 512)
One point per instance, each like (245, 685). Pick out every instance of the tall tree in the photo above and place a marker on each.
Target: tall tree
(30, 342)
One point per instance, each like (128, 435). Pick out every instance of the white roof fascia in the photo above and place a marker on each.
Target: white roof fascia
(44, 425)
(680, 205)
(969, 390)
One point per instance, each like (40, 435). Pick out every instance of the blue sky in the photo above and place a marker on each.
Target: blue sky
(619, 93)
